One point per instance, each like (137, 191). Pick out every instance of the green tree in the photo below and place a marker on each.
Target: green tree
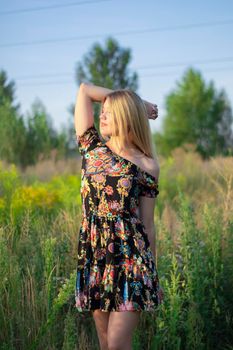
(42, 139)
(12, 128)
(25, 141)
(106, 66)
(197, 113)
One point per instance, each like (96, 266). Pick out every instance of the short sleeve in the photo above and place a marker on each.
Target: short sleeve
(148, 187)
(149, 191)
(88, 140)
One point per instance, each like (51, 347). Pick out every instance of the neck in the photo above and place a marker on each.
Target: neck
(113, 142)
(128, 148)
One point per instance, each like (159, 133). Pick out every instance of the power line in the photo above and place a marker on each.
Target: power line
(168, 73)
(175, 64)
(44, 75)
(49, 7)
(142, 76)
(159, 65)
(129, 32)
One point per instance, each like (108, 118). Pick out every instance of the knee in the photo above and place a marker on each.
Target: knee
(103, 341)
(117, 344)
(114, 347)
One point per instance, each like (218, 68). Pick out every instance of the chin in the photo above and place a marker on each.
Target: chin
(104, 135)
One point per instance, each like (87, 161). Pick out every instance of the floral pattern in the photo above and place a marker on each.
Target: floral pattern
(116, 270)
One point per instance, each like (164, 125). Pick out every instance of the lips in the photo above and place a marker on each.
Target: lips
(102, 124)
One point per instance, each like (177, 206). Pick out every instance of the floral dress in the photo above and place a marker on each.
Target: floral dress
(116, 270)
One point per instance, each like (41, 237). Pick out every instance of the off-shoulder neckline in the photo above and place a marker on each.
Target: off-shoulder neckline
(120, 157)
(129, 161)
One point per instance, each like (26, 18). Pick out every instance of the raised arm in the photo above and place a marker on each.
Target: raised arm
(89, 93)
(83, 115)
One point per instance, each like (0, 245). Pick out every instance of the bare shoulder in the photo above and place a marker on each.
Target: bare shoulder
(151, 165)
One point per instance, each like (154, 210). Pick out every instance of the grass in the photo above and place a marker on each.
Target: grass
(39, 222)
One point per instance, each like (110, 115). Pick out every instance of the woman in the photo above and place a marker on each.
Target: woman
(116, 268)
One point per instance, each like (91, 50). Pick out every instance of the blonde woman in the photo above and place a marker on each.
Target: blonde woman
(117, 269)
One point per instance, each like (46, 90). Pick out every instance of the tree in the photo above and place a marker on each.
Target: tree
(198, 114)
(104, 66)
(12, 128)
(107, 66)
(41, 136)
(24, 142)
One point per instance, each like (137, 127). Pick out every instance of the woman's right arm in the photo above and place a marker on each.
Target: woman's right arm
(83, 114)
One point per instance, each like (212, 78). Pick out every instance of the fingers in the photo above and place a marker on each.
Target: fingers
(154, 113)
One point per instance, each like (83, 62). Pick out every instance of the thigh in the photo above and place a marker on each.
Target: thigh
(121, 326)
(101, 321)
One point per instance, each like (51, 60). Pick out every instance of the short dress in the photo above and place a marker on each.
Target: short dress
(116, 270)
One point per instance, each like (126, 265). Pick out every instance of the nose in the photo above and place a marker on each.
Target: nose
(102, 116)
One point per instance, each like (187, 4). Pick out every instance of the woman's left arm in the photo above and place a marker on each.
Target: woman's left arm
(152, 110)
(152, 239)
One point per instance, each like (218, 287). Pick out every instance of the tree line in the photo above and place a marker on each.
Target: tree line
(195, 112)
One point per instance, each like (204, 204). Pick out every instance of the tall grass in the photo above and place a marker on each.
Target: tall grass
(39, 224)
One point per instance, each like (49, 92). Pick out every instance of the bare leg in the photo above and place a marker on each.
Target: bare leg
(120, 329)
(101, 323)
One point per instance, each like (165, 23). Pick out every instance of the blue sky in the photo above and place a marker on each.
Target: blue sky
(160, 56)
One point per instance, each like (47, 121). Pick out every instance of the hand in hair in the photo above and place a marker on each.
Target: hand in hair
(152, 110)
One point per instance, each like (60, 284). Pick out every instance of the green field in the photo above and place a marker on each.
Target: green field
(39, 223)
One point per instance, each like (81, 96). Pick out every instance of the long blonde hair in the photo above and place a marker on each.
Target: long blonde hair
(130, 116)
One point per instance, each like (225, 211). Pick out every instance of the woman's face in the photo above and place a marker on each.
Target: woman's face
(106, 120)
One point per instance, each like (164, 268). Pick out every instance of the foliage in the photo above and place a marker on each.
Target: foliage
(41, 137)
(194, 248)
(12, 128)
(197, 113)
(105, 66)
(24, 141)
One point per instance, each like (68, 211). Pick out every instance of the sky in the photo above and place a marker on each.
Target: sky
(42, 42)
